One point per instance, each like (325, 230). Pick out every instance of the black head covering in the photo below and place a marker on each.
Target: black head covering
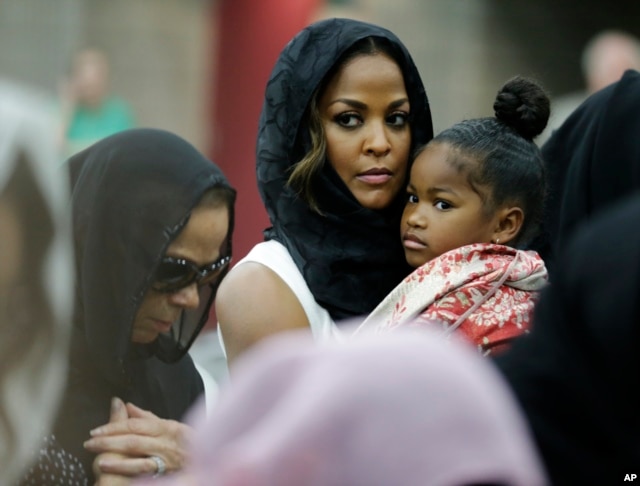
(593, 159)
(133, 194)
(350, 257)
(576, 374)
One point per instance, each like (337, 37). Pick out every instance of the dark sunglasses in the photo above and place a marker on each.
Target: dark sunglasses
(174, 274)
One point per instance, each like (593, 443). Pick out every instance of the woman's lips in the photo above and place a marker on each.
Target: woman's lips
(375, 176)
(162, 326)
(413, 242)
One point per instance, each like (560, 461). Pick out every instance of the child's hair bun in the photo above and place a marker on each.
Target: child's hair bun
(523, 105)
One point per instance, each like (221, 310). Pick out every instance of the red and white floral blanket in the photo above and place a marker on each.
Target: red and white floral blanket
(484, 292)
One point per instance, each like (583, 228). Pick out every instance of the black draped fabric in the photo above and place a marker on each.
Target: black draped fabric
(576, 374)
(350, 256)
(133, 194)
(54, 465)
(593, 159)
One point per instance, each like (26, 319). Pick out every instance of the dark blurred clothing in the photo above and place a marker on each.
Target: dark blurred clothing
(593, 160)
(577, 373)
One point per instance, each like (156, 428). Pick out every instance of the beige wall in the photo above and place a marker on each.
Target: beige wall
(161, 56)
(161, 50)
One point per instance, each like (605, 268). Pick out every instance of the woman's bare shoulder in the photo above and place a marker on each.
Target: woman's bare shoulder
(254, 302)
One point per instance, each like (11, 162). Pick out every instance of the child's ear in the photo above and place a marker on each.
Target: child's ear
(509, 223)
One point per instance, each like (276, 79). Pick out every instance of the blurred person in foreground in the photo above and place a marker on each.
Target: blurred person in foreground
(409, 408)
(36, 279)
(577, 373)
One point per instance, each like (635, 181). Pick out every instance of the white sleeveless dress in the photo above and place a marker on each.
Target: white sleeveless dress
(275, 256)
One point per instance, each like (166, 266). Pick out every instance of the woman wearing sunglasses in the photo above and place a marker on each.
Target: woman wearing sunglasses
(152, 221)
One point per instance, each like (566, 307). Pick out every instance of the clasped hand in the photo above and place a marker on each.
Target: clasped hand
(127, 442)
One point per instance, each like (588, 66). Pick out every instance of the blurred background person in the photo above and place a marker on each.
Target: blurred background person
(592, 161)
(89, 111)
(36, 279)
(605, 58)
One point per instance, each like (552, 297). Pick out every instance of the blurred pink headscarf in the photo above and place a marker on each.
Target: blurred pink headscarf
(401, 409)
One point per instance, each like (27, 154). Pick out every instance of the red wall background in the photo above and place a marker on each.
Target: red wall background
(250, 35)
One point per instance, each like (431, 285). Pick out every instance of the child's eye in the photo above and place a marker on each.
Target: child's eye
(348, 120)
(412, 198)
(442, 205)
(398, 120)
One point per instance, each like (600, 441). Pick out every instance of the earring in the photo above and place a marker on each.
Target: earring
(497, 241)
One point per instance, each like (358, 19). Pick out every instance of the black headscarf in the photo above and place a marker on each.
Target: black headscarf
(593, 159)
(133, 194)
(577, 373)
(351, 256)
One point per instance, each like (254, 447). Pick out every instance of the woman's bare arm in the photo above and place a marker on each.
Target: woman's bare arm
(253, 302)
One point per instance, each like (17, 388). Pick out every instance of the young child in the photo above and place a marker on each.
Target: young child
(474, 199)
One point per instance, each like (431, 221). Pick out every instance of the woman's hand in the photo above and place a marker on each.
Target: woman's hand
(132, 442)
(118, 414)
(103, 479)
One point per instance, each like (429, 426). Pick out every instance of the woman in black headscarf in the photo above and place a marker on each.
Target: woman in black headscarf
(593, 160)
(152, 222)
(343, 108)
(577, 374)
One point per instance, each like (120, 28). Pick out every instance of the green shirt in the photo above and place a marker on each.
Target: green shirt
(88, 125)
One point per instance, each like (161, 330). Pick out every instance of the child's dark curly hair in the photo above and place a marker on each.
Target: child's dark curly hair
(498, 153)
